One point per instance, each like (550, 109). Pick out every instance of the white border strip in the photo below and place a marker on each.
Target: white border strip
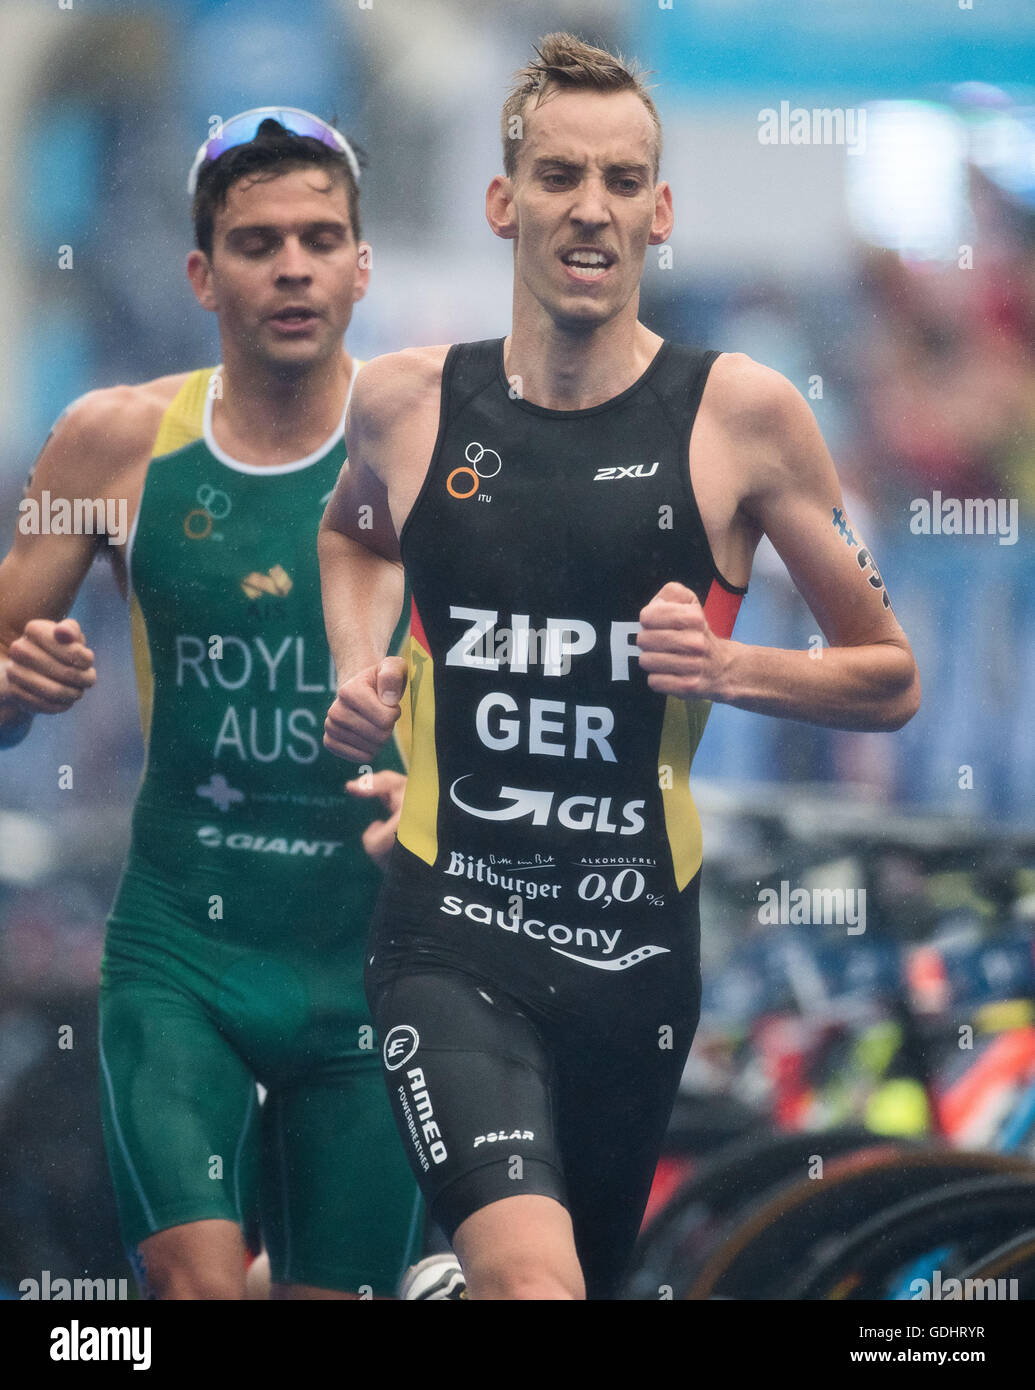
(273, 470)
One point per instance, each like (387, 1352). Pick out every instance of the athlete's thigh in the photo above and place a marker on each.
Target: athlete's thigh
(469, 1086)
(340, 1209)
(179, 1108)
(613, 1100)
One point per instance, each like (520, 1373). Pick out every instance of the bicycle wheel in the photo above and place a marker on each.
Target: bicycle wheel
(703, 1125)
(690, 1222)
(769, 1244)
(958, 1222)
(1014, 1260)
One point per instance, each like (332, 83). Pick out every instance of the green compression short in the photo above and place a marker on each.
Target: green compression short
(187, 1026)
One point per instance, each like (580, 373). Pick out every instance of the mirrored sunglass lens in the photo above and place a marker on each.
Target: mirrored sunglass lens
(241, 129)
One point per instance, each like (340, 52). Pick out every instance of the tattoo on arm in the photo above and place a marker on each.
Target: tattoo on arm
(862, 555)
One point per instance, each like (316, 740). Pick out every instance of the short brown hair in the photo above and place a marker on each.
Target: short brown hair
(273, 152)
(564, 61)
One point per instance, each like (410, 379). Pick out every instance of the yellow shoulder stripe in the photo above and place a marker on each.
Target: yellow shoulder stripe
(182, 421)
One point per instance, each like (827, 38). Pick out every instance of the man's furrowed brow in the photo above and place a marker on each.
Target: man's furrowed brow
(613, 168)
(550, 161)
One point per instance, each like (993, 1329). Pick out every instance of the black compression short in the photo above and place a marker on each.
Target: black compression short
(495, 1098)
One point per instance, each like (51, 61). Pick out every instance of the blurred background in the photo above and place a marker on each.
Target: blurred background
(892, 283)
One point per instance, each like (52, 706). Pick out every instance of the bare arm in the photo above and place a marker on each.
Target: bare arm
(390, 435)
(45, 666)
(867, 678)
(362, 595)
(361, 577)
(97, 451)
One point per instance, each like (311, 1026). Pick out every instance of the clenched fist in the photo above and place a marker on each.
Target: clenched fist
(49, 667)
(364, 713)
(678, 650)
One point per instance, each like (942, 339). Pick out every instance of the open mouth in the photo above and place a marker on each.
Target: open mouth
(587, 262)
(295, 316)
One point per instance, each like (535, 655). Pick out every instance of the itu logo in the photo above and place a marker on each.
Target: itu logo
(464, 482)
(215, 506)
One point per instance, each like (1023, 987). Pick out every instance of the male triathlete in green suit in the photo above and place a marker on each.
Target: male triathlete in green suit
(235, 945)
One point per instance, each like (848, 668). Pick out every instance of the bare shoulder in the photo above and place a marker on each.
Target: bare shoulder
(766, 432)
(398, 381)
(121, 414)
(750, 398)
(105, 431)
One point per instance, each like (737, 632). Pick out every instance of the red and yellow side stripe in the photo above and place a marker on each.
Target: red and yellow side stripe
(418, 824)
(681, 732)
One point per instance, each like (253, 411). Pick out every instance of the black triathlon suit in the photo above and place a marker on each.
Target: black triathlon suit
(534, 966)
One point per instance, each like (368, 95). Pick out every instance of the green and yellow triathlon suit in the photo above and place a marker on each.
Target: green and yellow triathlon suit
(235, 946)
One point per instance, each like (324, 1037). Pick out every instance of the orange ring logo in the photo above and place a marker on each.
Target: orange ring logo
(197, 535)
(474, 483)
(476, 455)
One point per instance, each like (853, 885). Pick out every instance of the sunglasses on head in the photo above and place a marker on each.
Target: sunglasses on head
(242, 129)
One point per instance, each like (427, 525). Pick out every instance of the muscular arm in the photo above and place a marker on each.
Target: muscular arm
(390, 433)
(95, 451)
(867, 678)
(360, 570)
